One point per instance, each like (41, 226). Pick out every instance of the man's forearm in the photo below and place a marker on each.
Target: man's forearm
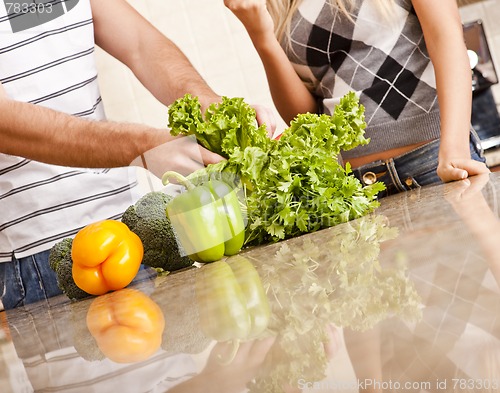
(156, 61)
(56, 138)
(170, 74)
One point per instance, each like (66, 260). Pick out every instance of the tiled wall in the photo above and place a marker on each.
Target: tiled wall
(217, 45)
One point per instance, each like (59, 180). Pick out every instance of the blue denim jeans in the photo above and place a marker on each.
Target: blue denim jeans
(27, 280)
(410, 170)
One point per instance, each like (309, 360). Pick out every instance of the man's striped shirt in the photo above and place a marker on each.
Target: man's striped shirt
(53, 65)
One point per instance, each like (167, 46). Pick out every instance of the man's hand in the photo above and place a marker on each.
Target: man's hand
(181, 154)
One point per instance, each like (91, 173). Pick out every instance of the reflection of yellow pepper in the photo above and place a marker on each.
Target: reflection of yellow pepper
(127, 325)
(231, 300)
(106, 256)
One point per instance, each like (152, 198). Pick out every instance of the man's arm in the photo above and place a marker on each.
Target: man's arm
(53, 137)
(44, 135)
(56, 138)
(155, 60)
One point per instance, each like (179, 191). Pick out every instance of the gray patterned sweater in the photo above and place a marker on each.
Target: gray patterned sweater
(385, 63)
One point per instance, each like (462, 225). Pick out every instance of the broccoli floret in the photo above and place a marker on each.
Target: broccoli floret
(60, 261)
(148, 219)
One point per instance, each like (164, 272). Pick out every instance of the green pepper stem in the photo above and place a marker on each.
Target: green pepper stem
(232, 355)
(181, 179)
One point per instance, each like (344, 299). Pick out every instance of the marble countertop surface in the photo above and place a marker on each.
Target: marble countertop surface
(404, 299)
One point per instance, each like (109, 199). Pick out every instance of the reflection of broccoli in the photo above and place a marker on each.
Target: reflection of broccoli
(83, 341)
(60, 261)
(177, 299)
(148, 219)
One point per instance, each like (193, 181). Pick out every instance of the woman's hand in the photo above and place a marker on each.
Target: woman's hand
(443, 33)
(265, 115)
(254, 16)
(459, 169)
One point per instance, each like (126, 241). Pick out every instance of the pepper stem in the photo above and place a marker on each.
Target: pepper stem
(177, 176)
(232, 355)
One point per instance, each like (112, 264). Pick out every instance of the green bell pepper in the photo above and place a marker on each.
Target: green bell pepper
(207, 218)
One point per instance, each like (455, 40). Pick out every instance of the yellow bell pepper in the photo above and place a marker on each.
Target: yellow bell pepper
(106, 257)
(127, 325)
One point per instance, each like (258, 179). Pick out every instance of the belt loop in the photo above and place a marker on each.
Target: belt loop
(391, 167)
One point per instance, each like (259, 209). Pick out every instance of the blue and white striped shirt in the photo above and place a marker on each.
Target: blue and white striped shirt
(53, 65)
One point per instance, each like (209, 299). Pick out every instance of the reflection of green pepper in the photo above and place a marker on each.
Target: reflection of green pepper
(207, 219)
(221, 303)
(256, 300)
(232, 303)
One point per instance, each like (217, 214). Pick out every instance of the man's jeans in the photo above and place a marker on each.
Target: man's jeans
(27, 280)
(30, 279)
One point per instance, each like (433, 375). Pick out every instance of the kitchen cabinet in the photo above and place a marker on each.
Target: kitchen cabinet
(404, 299)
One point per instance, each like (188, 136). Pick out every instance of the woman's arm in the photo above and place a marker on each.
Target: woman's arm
(444, 39)
(289, 93)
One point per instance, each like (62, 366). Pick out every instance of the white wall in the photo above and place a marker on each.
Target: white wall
(214, 41)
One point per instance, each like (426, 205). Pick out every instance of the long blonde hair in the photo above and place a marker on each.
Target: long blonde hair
(282, 12)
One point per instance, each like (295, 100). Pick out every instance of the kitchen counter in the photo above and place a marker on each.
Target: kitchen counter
(405, 299)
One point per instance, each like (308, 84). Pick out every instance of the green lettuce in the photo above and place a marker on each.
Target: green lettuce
(293, 185)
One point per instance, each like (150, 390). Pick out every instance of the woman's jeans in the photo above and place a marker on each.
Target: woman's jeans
(410, 170)
(27, 280)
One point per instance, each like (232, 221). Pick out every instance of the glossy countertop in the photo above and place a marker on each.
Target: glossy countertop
(405, 299)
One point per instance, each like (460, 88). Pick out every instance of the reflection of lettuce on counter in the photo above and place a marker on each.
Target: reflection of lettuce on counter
(343, 275)
(336, 280)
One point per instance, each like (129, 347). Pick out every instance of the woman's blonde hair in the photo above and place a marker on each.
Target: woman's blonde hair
(282, 11)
